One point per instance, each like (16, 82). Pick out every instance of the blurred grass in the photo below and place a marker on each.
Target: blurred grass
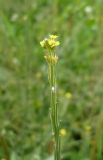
(25, 131)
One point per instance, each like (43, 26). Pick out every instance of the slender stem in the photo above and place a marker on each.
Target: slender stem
(54, 109)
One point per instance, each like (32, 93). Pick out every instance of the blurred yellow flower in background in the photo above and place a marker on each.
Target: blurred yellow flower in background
(63, 132)
(87, 128)
(68, 95)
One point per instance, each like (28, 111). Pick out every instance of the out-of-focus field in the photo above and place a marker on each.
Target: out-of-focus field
(25, 127)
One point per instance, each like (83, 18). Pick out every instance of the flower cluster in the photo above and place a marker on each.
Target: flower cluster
(50, 43)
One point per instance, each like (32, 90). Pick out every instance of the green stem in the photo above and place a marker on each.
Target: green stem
(54, 110)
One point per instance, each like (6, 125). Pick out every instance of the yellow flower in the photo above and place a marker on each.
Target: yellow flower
(63, 132)
(68, 95)
(88, 128)
(44, 43)
(50, 43)
(53, 36)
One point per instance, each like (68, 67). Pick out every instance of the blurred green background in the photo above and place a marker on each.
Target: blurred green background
(25, 128)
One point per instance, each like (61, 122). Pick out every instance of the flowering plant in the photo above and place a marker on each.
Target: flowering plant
(50, 44)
